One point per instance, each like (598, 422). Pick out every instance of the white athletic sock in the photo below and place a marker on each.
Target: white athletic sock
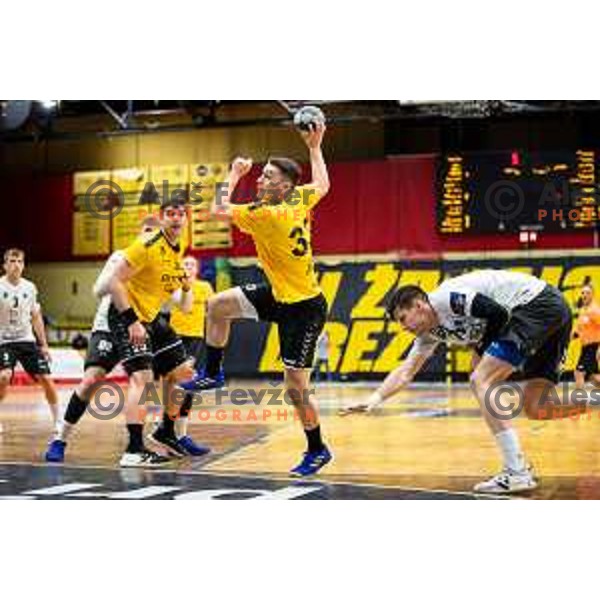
(181, 426)
(54, 412)
(508, 442)
(63, 430)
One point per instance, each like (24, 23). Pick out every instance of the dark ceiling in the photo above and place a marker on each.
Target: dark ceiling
(34, 120)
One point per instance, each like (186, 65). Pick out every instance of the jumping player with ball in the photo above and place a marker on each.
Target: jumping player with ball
(279, 223)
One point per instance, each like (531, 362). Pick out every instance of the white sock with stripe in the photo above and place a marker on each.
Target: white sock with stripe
(508, 442)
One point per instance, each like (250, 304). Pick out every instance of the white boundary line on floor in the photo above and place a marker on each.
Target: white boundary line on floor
(281, 478)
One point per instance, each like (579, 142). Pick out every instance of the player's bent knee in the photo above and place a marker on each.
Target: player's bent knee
(183, 372)
(297, 386)
(89, 382)
(478, 384)
(217, 308)
(141, 378)
(224, 306)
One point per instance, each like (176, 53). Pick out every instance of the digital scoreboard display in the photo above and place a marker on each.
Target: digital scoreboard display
(511, 191)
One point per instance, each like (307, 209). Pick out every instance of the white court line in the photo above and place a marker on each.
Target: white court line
(145, 492)
(281, 478)
(59, 490)
(149, 491)
(17, 498)
(89, 495)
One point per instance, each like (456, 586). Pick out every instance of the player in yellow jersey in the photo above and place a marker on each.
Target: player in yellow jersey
(102, 358)
(587, 329)
(189, 326)
(145, 276)
(279, 223)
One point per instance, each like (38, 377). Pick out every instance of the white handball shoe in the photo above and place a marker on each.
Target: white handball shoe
(508, 482)
(143, 460)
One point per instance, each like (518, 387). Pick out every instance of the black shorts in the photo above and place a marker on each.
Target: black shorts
(162, 352)
(540, 331)
(194, 348)
(588, 363)
(102, 352)
(168, 351)
(28, 354)
(300, 324)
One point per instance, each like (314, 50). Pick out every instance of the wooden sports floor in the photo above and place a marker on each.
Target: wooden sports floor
(430, 442)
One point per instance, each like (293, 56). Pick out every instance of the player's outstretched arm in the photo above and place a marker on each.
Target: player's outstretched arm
(393, 383)
(221, 204)
(313, 138)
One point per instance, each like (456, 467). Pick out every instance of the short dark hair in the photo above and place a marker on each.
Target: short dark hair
(403, 298)
(290, 168)
(14, 252)
(176, 201)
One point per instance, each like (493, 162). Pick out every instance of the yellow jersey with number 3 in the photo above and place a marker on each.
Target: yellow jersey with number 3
(158, 273)
(282, 237)
(192, 324)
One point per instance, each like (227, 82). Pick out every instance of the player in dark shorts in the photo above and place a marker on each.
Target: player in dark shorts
(101, 359)
(587, 330)
(280, 225)
(150, 273)
(22, 331)
(516, 325)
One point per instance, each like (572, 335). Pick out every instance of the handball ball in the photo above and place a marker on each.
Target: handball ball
(307, 116)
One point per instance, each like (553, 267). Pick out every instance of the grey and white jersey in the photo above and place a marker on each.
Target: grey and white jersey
(101, 316)
(17, 302)
(452, 302)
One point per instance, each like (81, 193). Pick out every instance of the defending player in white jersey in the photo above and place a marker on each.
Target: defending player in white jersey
(22, 331)
(515, 324)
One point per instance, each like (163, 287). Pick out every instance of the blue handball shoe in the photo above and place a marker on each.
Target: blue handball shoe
(312, 462)
(190, 446)
(56, 451)
(201, 382)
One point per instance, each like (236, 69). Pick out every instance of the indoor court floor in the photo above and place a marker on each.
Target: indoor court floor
(429, 442)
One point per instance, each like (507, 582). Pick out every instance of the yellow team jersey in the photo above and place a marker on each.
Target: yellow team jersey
(588, 324)
(192, 324)
(158, 273)
(282, 237)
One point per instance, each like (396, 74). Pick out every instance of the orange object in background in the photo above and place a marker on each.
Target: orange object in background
(588, 324)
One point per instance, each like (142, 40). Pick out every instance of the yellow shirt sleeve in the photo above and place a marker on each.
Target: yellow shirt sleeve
(204, 290)
(137, 254)
(245, 216)
(306, 196)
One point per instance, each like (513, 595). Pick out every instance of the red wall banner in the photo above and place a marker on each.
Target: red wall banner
(377, 206)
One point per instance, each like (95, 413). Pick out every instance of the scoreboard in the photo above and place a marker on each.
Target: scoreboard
(511, 191)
